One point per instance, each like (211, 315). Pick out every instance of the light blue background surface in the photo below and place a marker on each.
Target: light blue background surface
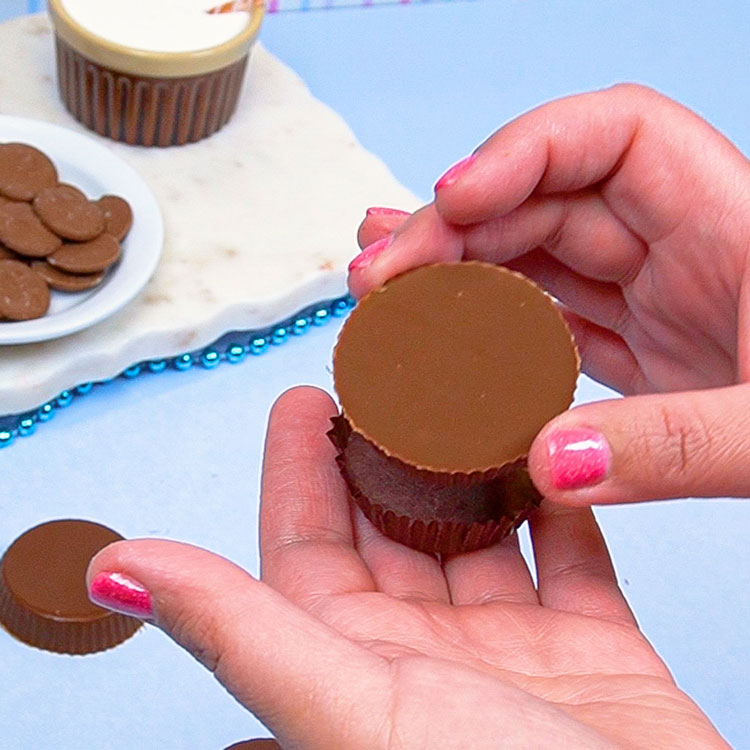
(177, 455)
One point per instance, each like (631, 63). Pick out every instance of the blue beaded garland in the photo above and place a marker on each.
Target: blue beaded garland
(209, 359)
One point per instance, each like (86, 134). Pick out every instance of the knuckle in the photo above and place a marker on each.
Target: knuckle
(195, 631)
(684, 443)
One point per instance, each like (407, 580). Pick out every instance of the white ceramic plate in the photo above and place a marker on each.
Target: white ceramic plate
(97, 171)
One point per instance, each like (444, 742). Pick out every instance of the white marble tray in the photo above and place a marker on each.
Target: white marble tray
(260, 220)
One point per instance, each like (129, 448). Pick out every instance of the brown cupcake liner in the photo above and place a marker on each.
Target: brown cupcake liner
(146, 111)
(449, 534)
(60, 636)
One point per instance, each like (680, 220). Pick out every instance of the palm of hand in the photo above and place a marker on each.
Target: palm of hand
(466, 653)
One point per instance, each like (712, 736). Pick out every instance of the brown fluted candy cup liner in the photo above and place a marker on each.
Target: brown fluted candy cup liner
(433, 512)
(148, 98)
(43, 598)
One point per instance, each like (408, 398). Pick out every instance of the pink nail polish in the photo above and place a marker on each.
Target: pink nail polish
(455, 172)
(382, 211)
(369, 254)
(578, 457)
(121, 594)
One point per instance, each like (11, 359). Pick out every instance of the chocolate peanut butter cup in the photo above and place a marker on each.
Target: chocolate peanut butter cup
(445, 375)
(43, 597)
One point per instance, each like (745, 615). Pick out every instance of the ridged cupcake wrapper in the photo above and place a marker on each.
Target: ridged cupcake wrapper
(64, 637)
(442, 535)
(147, 111)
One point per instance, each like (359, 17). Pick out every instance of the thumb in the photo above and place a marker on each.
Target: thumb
(689, 444)
(288, 668)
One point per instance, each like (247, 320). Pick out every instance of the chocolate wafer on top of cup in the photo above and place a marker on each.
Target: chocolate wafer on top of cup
(445, 375)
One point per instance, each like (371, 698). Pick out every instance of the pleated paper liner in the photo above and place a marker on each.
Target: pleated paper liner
(434, 512)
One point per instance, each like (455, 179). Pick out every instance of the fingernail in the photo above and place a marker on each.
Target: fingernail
(578, 457)
(455, 172)
(368, 255)
(382, 211)
(121, 594)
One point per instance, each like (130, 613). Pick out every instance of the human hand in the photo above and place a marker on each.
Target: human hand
(635, 214)
(354, 642)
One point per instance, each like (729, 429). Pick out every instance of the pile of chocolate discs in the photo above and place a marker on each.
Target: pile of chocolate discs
(52, 236)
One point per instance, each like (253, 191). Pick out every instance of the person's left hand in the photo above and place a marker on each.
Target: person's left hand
(354, 642)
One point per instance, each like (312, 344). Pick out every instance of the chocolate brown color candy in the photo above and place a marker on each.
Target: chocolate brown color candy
(43, 598)
(22, 231)
(24, 295)
(66, 282)
(87, 257)
(69, 215)
(24, 171)
(445, 376)
(118, 216)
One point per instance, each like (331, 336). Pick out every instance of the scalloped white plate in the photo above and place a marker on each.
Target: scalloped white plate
(96, 170)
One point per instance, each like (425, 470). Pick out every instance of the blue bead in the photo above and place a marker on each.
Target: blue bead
(301, 325)
(322, 316)
(340, 307)
(279, 336)
(158, 365)
(46, 412)
(184, 362)
(84, 388)
(26, 427)
(132, 372)
(210, 359)
(64, 399)
(258, 345)
(6, 438)
(235, 353)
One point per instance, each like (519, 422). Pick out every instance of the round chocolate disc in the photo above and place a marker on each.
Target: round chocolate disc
(24, 171)
(24, 295)
(43, 597)
(69, 215)
(118, 216)
(22, 231)
(7, 254)
(66, 282)
(455, 367)
(86, 257)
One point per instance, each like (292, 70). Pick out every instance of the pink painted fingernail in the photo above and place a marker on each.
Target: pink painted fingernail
(578, 457)
(119, 593)
(368, 255)
(455, 172)
(382, 211)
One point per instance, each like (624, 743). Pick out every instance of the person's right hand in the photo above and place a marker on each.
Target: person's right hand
(635, 214)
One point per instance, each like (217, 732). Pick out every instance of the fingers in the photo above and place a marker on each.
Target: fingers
(295, 673)
(379, 223)
(398, 570)
(574, 569)
(306, 535)
(498, 573)
(684, 444)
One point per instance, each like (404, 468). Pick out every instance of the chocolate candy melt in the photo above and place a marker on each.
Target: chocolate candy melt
(66, 282)
(43, 599)
(23, 294)
(86, 257)
(68, 214)
(118, 216)
(22, 231)
(24, 171)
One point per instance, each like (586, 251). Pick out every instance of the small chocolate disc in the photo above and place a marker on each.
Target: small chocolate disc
(22, 231)
(24, 171)
(66, 282)
(118, 216)
(43, 597)
(87, 257)
(7, 254)
(24, 295)
(68, 215)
